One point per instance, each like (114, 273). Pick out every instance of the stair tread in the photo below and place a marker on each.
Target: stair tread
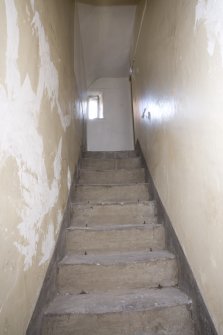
(108, 185)
(112, 203)
(116, 302)
(116, 227)
(111, 163)
(93, 169)
(110, 158)
(115, 258)
(109, 153)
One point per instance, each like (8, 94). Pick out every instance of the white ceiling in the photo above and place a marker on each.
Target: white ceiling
(106, 33)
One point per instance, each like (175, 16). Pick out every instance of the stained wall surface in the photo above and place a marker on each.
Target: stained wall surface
(178, 105)
(115, 131)
(40, 138)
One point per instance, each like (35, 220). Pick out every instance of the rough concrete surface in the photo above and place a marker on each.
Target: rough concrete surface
(98, 193)
(134, 312)
(115, 237)
(113, 213)
(109, 154)
(107, 164)
(115, 258)
(116, 271)
(118, 176)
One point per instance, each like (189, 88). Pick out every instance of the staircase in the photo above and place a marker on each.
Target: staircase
(116, 277)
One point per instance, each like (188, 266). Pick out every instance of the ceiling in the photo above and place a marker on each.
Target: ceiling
(106, 33)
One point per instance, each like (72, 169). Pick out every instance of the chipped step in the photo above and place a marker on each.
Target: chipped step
(108, 164)
(136, 312)
(111, 213)
(107, 238)
(109, 154)
(116, 271)
(99, 193)
(119, 176)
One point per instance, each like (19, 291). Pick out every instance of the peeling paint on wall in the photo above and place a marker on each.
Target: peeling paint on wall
(59, 220)
(68, 178)
(211, 13)
(19, 137)
(37, 206)
(48, 75)
(40, 138)
(48, 245)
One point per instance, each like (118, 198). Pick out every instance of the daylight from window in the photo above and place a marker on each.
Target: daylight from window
(95, 107)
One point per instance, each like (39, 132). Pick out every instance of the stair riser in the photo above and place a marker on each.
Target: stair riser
(111, 154)
(91, 278)
(112, 177)
(115, 240)
(112, 193)
(92, 215)
(169, 321)
(108, 164)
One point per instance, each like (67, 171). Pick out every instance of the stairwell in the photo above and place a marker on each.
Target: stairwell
(116, 277)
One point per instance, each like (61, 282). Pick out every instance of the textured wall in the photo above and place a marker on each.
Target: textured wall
(178, 103)
(115, 131)
(40, 138)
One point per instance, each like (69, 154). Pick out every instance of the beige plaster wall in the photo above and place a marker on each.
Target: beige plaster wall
(40, 138)
(178, 104)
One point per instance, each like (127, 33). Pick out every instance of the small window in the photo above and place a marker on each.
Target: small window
(95, 107)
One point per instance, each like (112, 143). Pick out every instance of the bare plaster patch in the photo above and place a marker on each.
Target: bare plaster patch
(68, 179)
(59, 220)
(32, 2)
(49, 79)
(48, 245)
(2, 41)
(211, 13)
(20, 139)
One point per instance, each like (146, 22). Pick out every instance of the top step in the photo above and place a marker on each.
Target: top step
(110, 163)
(109, 154)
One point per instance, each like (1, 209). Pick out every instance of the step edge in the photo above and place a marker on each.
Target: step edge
(153, 256)
(185, 301)
(119, 203)
(112, 185)
(116, 227)
(141, 169)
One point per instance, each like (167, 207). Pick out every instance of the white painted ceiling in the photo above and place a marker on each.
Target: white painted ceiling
(106, 33)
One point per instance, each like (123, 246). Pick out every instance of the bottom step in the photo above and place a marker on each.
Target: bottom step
(135, 312)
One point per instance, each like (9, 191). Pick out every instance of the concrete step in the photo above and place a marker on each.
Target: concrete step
(110, 238)
(113, 213)
(100, 193)
(109, 154)
(120, 176)
(109, 163)
(105, 272)
(135, 312)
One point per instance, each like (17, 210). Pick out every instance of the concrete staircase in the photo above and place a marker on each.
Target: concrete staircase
(116, 277)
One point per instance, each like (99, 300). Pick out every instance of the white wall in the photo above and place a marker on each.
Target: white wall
(178, 79)
(115, 131)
